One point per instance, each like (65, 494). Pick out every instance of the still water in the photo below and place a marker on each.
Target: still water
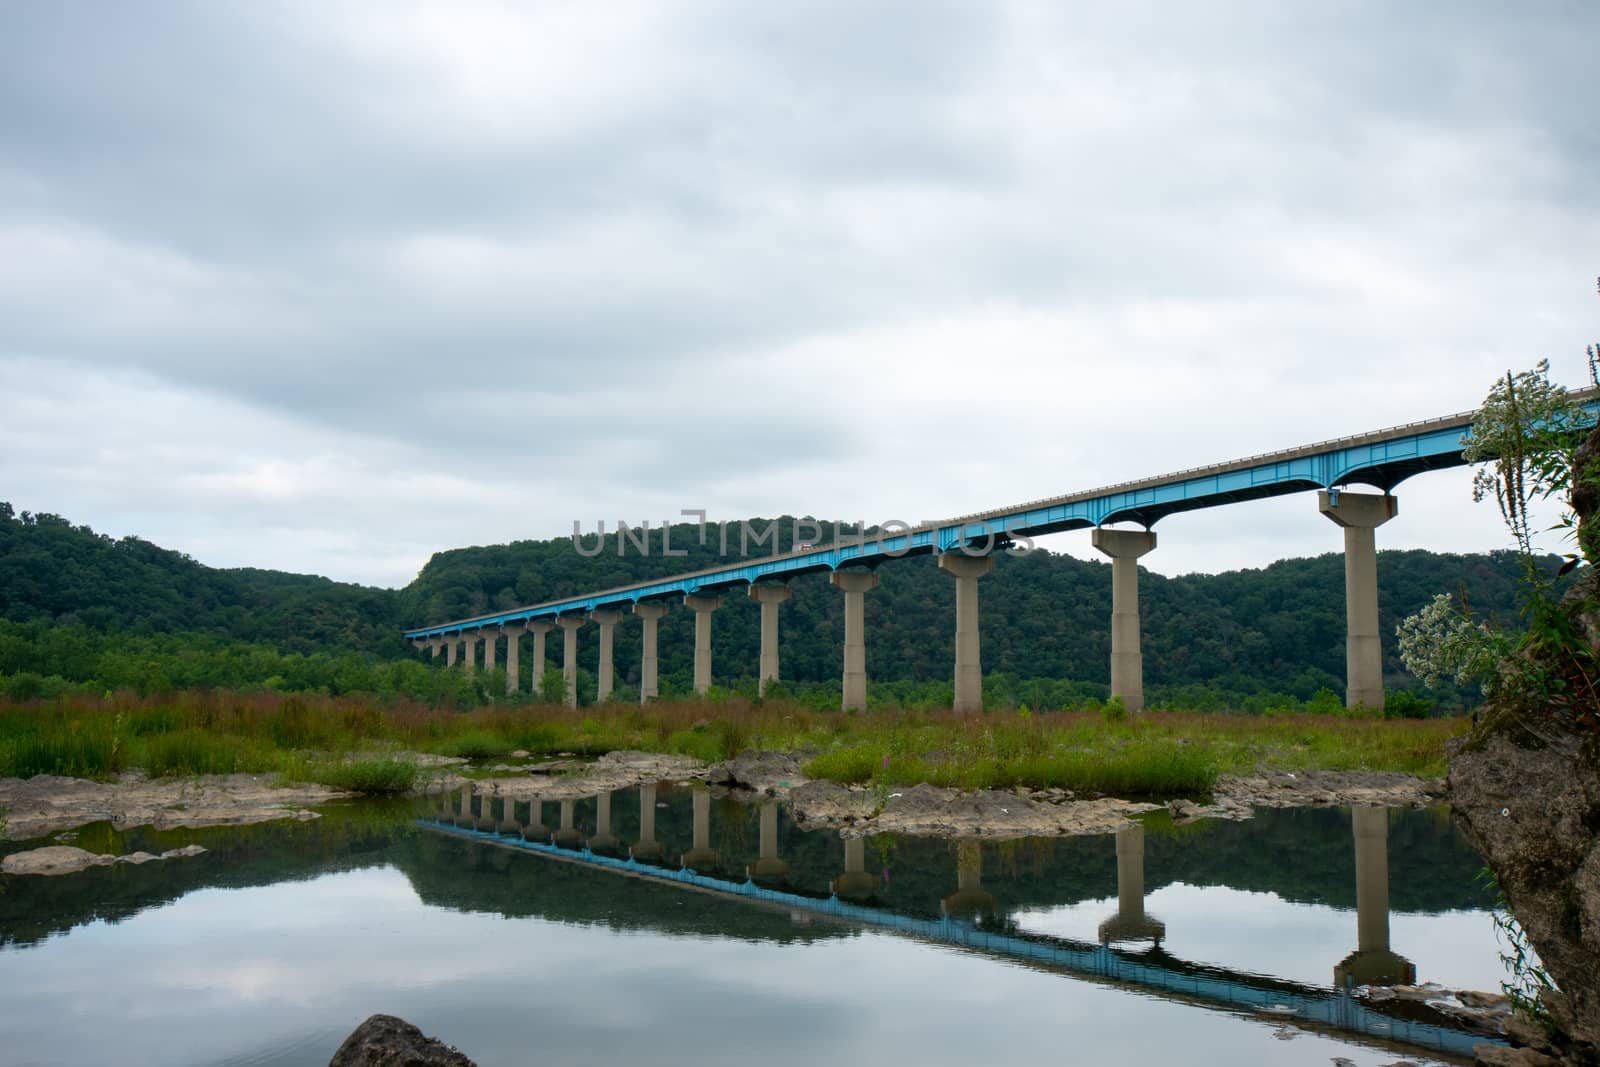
(1214, 942)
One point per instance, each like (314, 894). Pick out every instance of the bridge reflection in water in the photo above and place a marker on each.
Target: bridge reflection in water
(969, 913)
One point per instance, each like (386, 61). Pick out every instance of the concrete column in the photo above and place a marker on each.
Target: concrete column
(605, 676)
(450, 651)
(650, 613)
(855, 881)
(1373, 962)
(1127, 661)
(435, 647)
(970, 897)
(768, 865)
(569, 655)
(538, 630)
(647, 846)
(566, 833)
(966, 570)
(513, 632)
(464, 816)
(1360, 514)
(769, 596)
(603, 839)
(701, 855)
(702, 606)
(469, 651)
(1130, 923)
(536, 830)
(508, 816)
(854, 584)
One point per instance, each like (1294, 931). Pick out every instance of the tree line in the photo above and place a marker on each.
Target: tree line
(88, 610)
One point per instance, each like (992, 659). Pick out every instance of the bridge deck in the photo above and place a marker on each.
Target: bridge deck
(1381, 458)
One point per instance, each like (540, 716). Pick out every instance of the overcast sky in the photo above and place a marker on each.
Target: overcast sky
(329, 287)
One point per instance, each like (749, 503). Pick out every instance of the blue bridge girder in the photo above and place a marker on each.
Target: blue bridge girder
(1381, 459)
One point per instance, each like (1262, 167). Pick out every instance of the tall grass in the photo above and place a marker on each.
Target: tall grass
(1155, 752)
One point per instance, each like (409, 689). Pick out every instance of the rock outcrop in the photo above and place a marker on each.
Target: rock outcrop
(1534, 814)
(387, 1041)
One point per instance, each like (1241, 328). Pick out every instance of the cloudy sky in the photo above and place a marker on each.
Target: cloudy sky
(331, 286)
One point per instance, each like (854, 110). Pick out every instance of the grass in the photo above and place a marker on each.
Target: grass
(354, 742)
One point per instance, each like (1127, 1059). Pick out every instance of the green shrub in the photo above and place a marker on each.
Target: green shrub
(370, 777)
(1404, 704)
(1114, 709)
(474, 744)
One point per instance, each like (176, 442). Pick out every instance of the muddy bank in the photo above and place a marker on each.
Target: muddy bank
(931, 811)
(47, 804)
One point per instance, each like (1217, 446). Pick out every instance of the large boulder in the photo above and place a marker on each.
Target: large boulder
(385, 1041)
(1534, 814)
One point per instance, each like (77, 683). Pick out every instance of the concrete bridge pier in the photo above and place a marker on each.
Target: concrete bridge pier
(768, 867)
(966, 570)
(449, 651)
(513, 632)
(650, 613)
(536, 830)
(970, 898)
(469, 651)
(570, 624)
(769, 595)
(1360, 514)
(567, 834)
(702, 606)
(606, 675)
(1130, 923)
(1373, 962)
(855, 881)
(463, 817)
(701, 855)
(602, 840)
(647, 847)
(1127, 661)
(538, 663)
(854, 584)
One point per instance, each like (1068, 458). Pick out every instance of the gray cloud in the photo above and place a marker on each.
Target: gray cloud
(622, 258)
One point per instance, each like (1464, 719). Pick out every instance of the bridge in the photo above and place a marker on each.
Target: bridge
(967, 914)
(965, 547)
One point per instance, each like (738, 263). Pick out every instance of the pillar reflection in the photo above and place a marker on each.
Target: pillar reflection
(602, 840)
(855, 881)
(1373, 962)
(768, 867)
(970, 898)
(567, 835)
(1130, 923)
(701, 855)
(647, 847)
(535, 829)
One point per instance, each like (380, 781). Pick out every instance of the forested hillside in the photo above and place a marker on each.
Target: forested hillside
(91, 609)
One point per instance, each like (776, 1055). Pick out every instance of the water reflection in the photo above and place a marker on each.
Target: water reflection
(1298, 877)
(1372, 963)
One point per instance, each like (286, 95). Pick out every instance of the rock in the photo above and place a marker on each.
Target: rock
(817, 804)
(1534, 815)
(1291, 790)
(521, 753)
(46, 804)
(386, 1041)
(54, 859)
(1486, 1055)
(64, 859)
(763, 772)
